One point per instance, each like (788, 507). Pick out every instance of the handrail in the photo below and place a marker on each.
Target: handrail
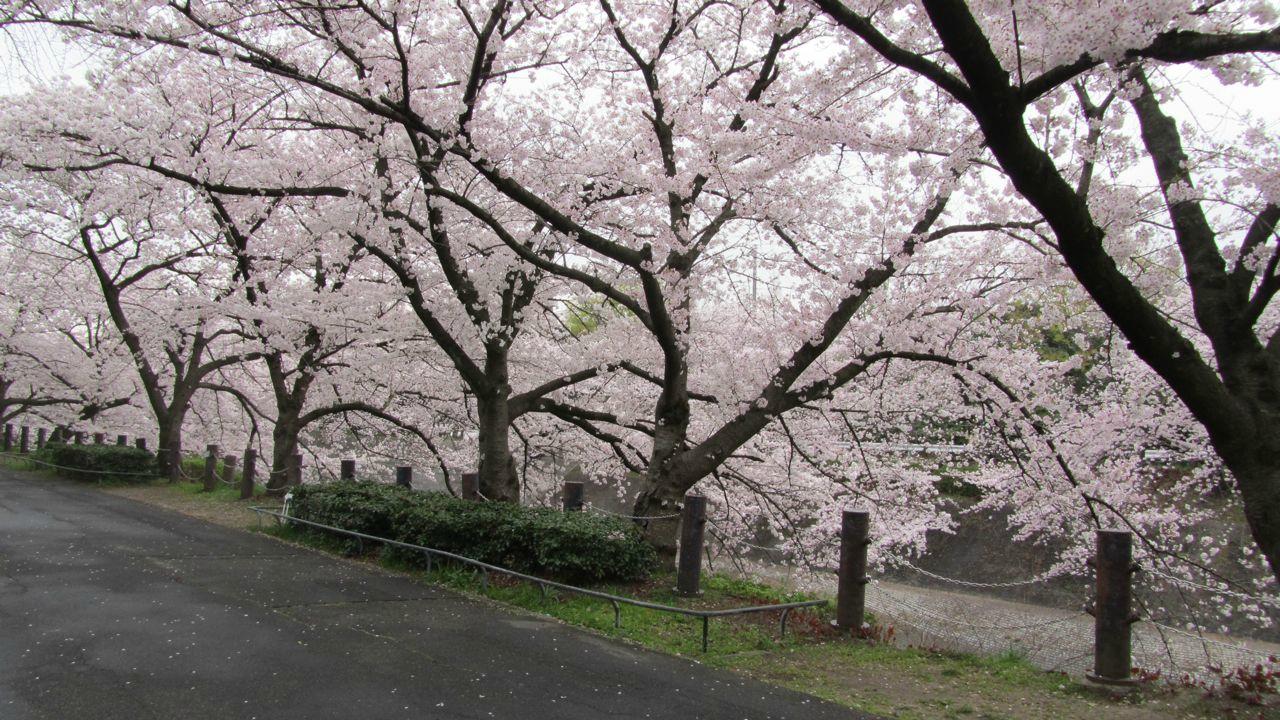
(543, 583)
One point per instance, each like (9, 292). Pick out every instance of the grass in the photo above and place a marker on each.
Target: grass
(221, 493)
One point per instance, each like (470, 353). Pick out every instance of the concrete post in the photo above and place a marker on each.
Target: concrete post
(693, 520)
(851, 588)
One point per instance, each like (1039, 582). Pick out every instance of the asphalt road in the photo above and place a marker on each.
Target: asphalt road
(114, 609)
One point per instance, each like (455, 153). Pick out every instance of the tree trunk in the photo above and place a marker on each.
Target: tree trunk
(1249, 445)
(1259, 483)
(663, 492)
(498, 478)
(284, 445)
(169, 446)
(658, 507)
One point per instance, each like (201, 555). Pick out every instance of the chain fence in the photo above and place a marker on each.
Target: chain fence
(29, 459)
(1053, 639)
(982, 618)
(602, 511)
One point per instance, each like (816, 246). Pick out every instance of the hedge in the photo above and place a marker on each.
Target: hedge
(98, 462)
(576, 546)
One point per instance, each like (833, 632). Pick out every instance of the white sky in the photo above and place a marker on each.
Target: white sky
(32, 55)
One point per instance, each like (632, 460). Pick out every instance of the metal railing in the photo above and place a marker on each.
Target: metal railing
(617, 601)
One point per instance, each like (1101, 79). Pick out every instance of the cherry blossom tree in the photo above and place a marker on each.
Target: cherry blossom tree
(1044, 86)
(57, 360)
(152, 269)
(791, 219)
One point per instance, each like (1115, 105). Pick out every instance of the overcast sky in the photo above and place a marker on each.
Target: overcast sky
(33, 55)
(30, 55)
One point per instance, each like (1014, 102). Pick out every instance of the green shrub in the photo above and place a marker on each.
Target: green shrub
(99, 462)
(577, 547)
(956, 486)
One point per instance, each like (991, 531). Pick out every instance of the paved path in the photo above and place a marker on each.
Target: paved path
(110, 609)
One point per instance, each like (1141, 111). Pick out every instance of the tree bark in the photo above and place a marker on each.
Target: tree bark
(284, 445)
(498, 478)
(663, 490)
(657, 510)
(169, 445)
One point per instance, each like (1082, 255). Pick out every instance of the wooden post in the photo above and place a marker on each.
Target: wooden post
(229, 469)
(471, 487)
(40, 438)
(404, 476)
(246, 475)
(99, 438)
(348, 471)
(8, 437)
(210, 461)
(122, 440)
(851, 588)
(140, 443)
(693, 520)
(79, 435)
(1112, 615)
(24, 440)
(574, 495)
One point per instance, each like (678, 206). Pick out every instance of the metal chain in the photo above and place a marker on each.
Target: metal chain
(1199, 637)
(593, 508)
(79, 470)
(727, 537)
(969, 583)
(1218, 591)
